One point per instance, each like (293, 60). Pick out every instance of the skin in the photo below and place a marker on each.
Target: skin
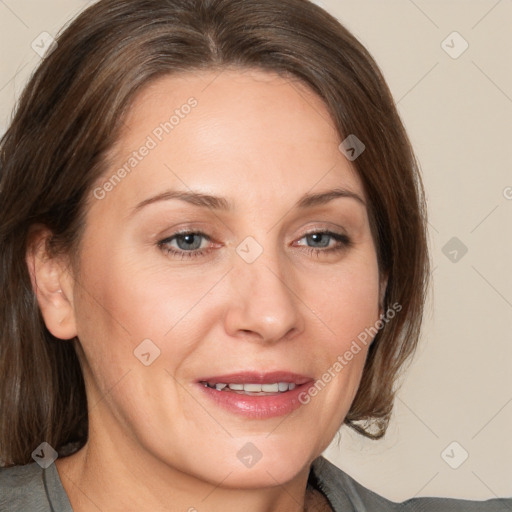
(156, 442)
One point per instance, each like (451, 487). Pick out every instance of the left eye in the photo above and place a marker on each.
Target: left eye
(319, 239)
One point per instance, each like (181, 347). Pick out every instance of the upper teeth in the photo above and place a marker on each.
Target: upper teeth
(255, 388)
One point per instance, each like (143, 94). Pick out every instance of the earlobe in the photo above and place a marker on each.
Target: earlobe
(52, 284)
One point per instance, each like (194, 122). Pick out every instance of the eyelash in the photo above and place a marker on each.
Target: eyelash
(344, 242)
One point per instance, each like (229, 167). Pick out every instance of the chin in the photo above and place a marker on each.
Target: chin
(257, 462)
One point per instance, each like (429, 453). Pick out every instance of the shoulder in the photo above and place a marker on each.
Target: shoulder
(346, 494)
(22, 488)
(455, 505)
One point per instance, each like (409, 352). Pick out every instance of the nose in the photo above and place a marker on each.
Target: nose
(263, 305)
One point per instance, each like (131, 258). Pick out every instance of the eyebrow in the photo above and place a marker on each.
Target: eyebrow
(220, 203)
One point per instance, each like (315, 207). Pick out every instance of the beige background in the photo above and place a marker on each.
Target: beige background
(459, 116)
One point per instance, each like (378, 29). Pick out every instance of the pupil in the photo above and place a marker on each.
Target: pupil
(189, 240)
(317, 238)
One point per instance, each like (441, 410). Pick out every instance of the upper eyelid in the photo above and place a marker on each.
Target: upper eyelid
(206, 235)
(185, 232)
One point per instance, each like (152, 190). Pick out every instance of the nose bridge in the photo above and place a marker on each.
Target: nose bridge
(265, 303)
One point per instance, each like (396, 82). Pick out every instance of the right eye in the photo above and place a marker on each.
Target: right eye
(185, 244)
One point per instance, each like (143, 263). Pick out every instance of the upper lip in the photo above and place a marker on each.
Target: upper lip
(257, 378)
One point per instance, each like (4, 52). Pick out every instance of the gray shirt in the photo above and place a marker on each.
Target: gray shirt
(32, 489)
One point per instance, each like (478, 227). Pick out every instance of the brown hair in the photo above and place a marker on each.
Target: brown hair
(69, 116)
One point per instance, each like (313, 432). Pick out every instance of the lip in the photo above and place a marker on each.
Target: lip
(258, 378)
(254, 406)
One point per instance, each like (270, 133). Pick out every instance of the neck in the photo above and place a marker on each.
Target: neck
(110, 473)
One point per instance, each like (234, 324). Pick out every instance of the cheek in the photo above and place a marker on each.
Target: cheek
(347, 304)
(124, 301)
(347, 299)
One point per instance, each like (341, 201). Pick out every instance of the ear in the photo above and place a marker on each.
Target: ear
(52, 283)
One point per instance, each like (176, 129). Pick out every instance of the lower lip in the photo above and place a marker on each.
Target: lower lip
(257, 407)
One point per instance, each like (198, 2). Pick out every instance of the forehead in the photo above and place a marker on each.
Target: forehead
(244, 130)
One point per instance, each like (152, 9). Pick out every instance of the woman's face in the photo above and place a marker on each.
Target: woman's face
(253, 297)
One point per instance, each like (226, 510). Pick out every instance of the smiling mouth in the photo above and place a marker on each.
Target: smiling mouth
(252, 389)
(256, 395)
(256, 383)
